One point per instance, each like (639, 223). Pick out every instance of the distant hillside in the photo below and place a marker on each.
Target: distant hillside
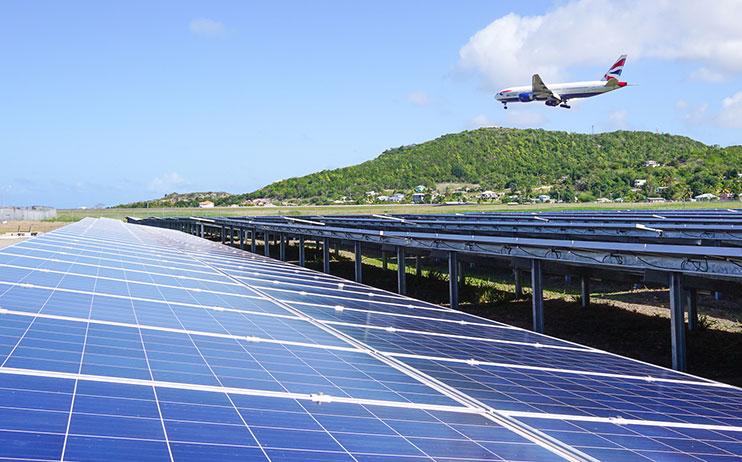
(518, 162)
(180, 200)
(588, 166)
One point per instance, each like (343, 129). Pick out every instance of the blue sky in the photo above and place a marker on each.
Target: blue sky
(113, 102)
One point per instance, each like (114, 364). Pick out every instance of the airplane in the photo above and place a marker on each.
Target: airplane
(560, 93)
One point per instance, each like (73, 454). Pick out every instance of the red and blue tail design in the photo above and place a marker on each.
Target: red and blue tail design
(615, 71)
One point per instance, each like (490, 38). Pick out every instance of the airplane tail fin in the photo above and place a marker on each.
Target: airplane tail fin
(615, 71)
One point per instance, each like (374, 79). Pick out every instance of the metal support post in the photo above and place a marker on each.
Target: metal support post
(453, 287)
(282, 246)
(677, 322)
(585, 291)
(252, 241)
(326, 255)
(267, 240)
(358, 261)
(518, 276)
(418, 269)
(223, 231)
(231, 235)
(401, 273)
(202, 230)
(302, 261)
(242, 239)
(384, 265)
(691, 303)
(537, 279)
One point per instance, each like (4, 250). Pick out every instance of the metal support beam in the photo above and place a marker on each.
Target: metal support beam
(282, 246)
(537, 279)
(401, 272)
(518, 276)
(326, 255)
(252, 241)
(384, 264)
(242, 239)
(453, 287)
(231, 235)
(691, 303)
(358, 261)
(267, 240)
(223, 231)
(202, 230)
(585, 291)
(418, 269)
(677, 322)
(302, 259)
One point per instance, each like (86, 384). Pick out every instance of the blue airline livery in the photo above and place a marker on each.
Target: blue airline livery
(560, 93)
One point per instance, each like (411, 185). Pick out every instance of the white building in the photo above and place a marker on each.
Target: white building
(639, 183)
(706, 197)
(396, 197)
(206, 205)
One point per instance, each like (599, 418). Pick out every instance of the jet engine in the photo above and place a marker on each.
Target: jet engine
(525, 97)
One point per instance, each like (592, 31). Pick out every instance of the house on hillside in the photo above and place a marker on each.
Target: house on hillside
(652, 163)
(419, 188)
(490, 195)
(728, 197)
(656, 200)
(418, 198)
(396, 197)
(707, 197)
(639, 183)
(206, 205)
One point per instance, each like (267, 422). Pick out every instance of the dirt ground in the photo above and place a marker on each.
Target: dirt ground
(10, 229)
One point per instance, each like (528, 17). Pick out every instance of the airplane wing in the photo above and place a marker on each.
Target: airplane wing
(540, 90)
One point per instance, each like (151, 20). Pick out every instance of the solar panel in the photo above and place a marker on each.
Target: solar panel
(123, 342)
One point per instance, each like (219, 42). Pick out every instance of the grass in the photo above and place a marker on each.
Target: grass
(68, 215)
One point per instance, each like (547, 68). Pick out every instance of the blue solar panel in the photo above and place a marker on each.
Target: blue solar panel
(120, 342)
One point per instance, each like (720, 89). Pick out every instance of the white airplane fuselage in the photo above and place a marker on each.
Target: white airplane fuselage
(558, 94)
(566, 91)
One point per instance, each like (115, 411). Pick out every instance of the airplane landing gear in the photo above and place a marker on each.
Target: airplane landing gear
(565, 105)
(504, 105)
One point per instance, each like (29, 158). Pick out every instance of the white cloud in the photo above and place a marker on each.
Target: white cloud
(166, 183)
(692, 115)
(482, 120)
(619, 119)
(705, 75)
(593, 32)
(731, 112)
(524, 118)
(419, 98)
(207, 27)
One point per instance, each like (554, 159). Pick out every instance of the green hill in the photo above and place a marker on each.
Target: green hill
(180, 200)
(581, 165)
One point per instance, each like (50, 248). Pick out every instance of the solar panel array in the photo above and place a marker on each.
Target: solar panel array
(125, 342)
